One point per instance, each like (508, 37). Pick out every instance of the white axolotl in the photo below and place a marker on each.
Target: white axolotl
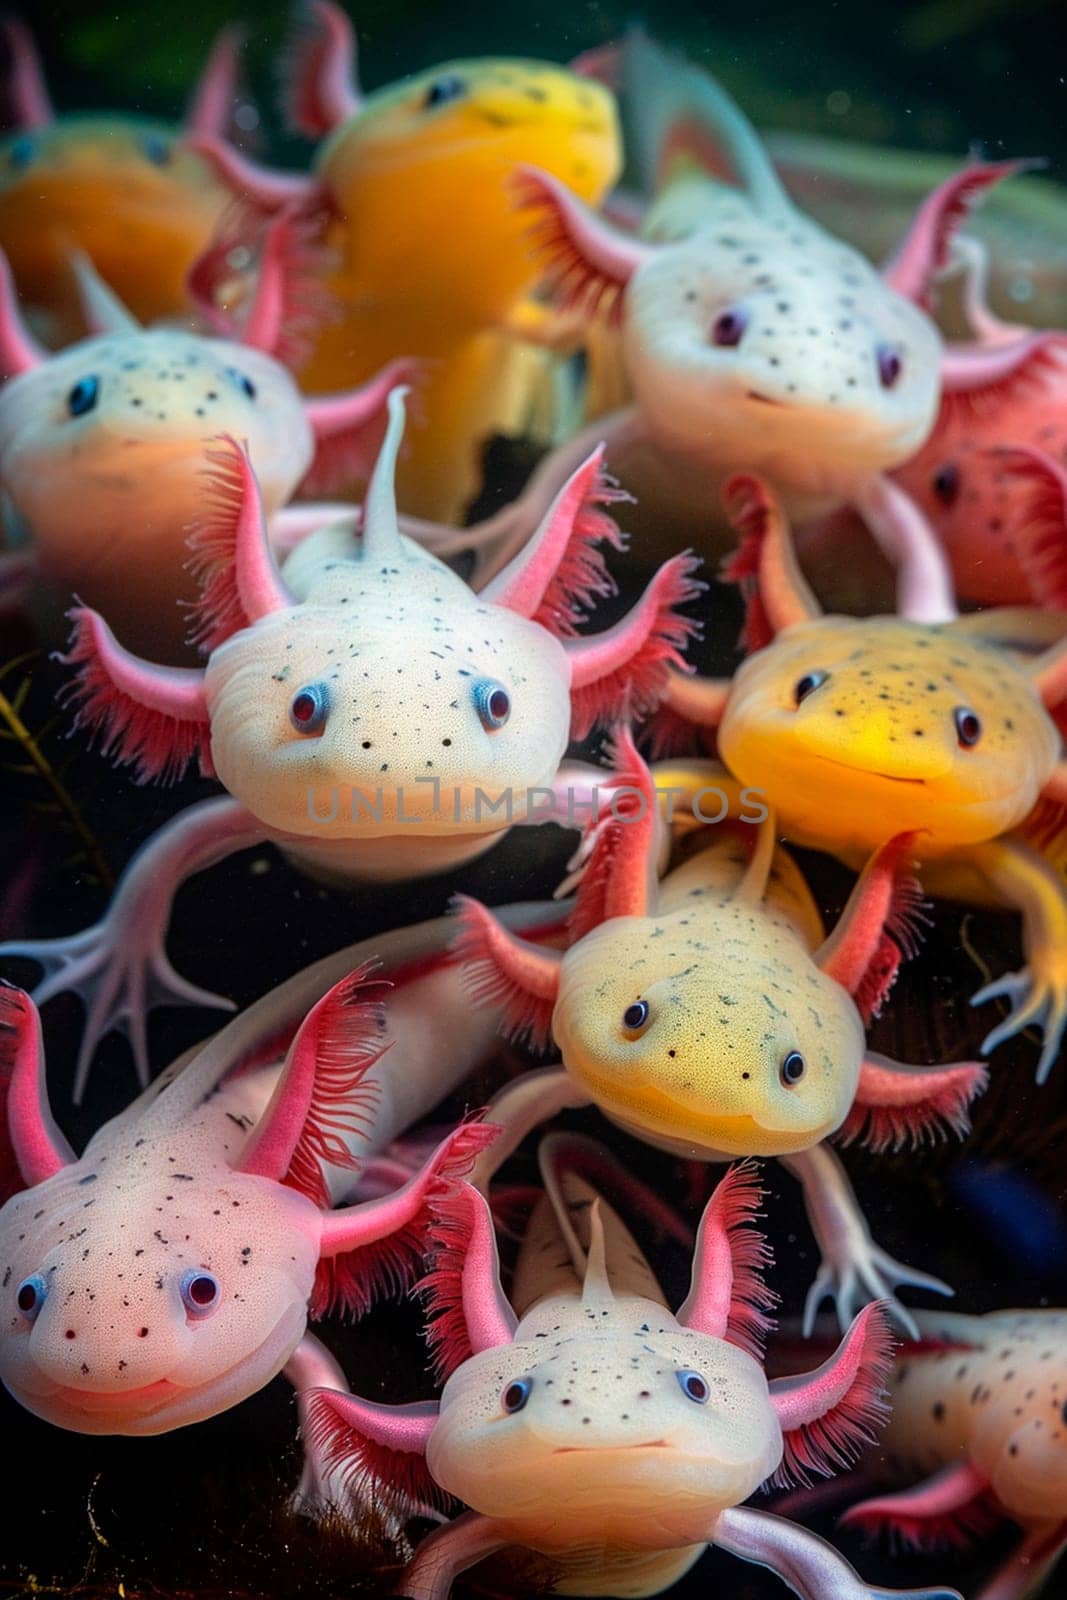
(102, 446)
(389, 724)
(980, 1415)
(751, 339)
(169, 1271)
(593, 1426)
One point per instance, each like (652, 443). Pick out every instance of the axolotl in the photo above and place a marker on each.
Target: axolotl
(711, 1016)
(377, 721)
(858, 728)
(751, 339)
(102, 448)
(168, 1272)
(409, 187)
(120, 187)
(979, 1414)
(592, 1425)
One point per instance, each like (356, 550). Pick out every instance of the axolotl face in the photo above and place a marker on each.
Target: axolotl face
(391, 702)
(859, 728)
(616, 1421)
(759, 341)
(135, 1299)
(709, 1031)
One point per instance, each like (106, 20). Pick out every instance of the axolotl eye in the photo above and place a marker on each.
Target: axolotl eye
(30, 1295)
(635, 1017)
(808, 685)
(516, 1395)
(792, 1068)
(889, 363)
(968, 726)
(245, 384)
(443, 91)
(200, 1291)
(309, 708)
(492, 703)
(83, 397)
(729, 326)
(694, 1386)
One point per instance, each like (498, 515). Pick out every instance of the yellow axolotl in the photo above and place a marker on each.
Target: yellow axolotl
(116, 186)
(980, 1416)
(411, 188)
(710, 1015)
(586, 1421)
(856, 728)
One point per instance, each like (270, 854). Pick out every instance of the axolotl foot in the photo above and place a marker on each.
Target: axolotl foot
(1037, 997)
(862, 1272)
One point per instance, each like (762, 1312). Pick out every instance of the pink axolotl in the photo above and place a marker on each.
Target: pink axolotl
(121, 187)
(980, 1415)
(388, 723)
(751, 339)
(856, 729)
(595, 1427)
(169, 1271)
(711, 1015)
(102, 447)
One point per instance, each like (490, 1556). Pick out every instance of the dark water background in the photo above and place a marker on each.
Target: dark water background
(201, 1512)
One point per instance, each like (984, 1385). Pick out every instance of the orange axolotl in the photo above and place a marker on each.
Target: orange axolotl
(119, 187)
(858, 728)
(410, 184)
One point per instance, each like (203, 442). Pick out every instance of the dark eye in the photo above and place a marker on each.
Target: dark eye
(246, 386)
(155, 149)
(444, 90)
(947, 483)
(21, 154)
(310, 708)
(83, 396)
(492, 703)
(30, 1295)
(968, 726)
(792, 1069)
(200, 1292)
(693, 1386)
(890, 365)
(729, 327)
(635, 1016)
(808, 685)
(516, 1395)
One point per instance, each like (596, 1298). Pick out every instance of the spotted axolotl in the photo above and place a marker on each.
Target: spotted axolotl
(102, 448)
(980, 1415)
(410, 186)
(711, 1016)
(377, 721)
(169, 1271)
(857, 728)
(592, 1425)
(751, 339)
(119, 187)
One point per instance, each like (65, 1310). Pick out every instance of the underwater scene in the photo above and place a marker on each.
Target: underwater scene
(533, 902)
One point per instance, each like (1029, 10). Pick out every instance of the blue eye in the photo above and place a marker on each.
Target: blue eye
(516, 1395)
(30, 1295)
(492, 703)
(808, 684)
(21, 154)
(155, 149)
(200, 1291)
(635, 1016)
(968, 726)
(309, 708)
(246, 386)
(445, 90)
(83, 396)
(792, 1068)
(693, 1386)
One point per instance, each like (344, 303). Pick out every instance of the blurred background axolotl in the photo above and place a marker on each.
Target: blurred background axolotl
(120, 187)
(377, 720)
(409, 187)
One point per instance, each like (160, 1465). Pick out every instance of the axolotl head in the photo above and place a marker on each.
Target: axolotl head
(141, 1293)
(1020, 1421)
(857, 728)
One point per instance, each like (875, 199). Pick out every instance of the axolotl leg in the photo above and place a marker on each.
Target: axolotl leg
(119, 967)
(445, 1554)
(854, 1269)
(805, 1563)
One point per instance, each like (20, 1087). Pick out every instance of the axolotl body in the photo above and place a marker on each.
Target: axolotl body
(592, 1425)
(102, 447)
(389, 723)
(711, 1016)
